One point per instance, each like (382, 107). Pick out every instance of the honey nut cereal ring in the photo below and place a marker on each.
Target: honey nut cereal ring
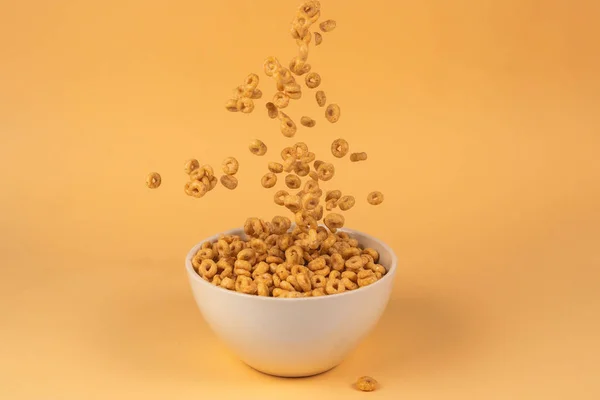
(153, 180)
(308, 157)
(355, 263)
(334, 221)
(207, 268)
(327, 26)
(275, 167)
(366, 384)
(318, 292)
(300, 149)
(272, 110)
(232, 105)
(246, 105)
(321, 98)
(373, 253)
(334, 286)
(310, 9)
(304, 282)
(227, 283)
(339, 148)
(292, 181)
(191, 165)
(375, 198)
(331, 204)
(349, 284)
(288, 152)
(332, 113)
(271, 65)
(292, 203)
(230, 166)
(326, 171)
(245, 285)
(301, 168)
(257, 147)
(317, 164)
(293, 90)
(289, 164)
(318, 38)
(251, 81)
(308, 122)
(281, 225)
(310, 202)
(367, 281)
(280, 196)
(287, 125)
(312, 80)
(355, 157)
(346, 203)
(351, 275)
(281, 100)
(269, 180)
(196, 189)
(333, 194)
(256, 94)
(311, 186)
(229, 181)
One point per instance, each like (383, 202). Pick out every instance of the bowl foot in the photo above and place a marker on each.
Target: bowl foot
(292, 375)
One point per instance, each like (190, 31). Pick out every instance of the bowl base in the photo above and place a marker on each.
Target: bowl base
(292, 375)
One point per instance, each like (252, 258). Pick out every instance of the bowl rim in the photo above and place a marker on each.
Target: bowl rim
(192, 274)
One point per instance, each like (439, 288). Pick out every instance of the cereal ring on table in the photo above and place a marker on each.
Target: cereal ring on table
(310, 202)
(208, 268)
(269, 180)
(334, 221)
(292, 181)
(366, 384)
(276, 168)
(308, 121)
(229, 181)
(191, 165)
(355, 157)
(271, 65)
(355, 263)
(375, 198)
(196, 189)
(230, 166)
(318, 38)
(281, 100)
(334, 286)
(153, 180)
(326, 171)
(327, 26)
(346, 203)
(244, 284)
(293, 90)
(281, 225)
(257, 147)
(287, 126)
(272, 110)
(280, 196)
(301, 168)
(332, 113)
(292, 203)
(339, 148)
(232, 105)
(312, 80)
(246, 105)
(251, 81)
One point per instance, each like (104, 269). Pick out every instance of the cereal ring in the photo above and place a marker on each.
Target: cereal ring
(308, 122)
(292, 181)
(153, 180)
(269, 180)
(208, 268)
(276, 168)
(318, 292)
(355, 263)
(349, 284)
(310, 8)
(375, 198)
(332, 113)
(271, 65)
(191, 165)
(346, 203)
(312, 80)
(230, 166)
(372, 252)
(311, 186)
(350, 252)
(366, 384)
(292, 203)
(308, 158)
(251, 81)
(256, 94)
(333, 195)
(334, 221)
(317, 213)
(262, 289)
(229, 181)
(318, 281)
(339, 148)
(227, 283)
(355, 157)
(326, 171)
(245, 285)
(293, 90)
(304, 219)
(300, 149)
(288, 152)
(317, 264)
(318, 38)
(327, 26)
(246, 105)
(216, 280)
(281, 225)
(302, 168)
(334, 286)
(321, 98)
(304, 282)
(351, 275)
(280, 196)
(196, 189)
(272, 110)
(232, 105)
(257, 147)
(281, 100)
(310, 202)
(287, 126)
(294, 255)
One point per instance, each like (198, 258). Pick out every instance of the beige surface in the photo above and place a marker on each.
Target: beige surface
(481, 122)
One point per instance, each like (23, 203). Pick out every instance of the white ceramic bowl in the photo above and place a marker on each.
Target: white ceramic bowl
(294, 337)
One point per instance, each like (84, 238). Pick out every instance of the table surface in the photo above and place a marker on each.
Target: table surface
(481, 124)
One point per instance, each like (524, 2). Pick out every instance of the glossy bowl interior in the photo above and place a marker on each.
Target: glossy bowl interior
(294, 337)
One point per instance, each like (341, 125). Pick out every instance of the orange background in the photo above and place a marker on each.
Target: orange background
(481, 123)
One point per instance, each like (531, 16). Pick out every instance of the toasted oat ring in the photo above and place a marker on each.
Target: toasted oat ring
(153, 180)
